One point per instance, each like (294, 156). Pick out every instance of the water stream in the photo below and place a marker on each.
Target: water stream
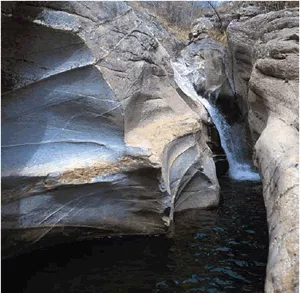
(232, 138)
(233, 143)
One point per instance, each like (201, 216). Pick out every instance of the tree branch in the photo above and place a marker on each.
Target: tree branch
(216, 12)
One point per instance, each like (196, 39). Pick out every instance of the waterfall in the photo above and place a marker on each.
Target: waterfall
(232, 137)
(233, 143)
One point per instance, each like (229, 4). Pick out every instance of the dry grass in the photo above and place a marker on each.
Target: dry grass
(159, 133)
(134, 4)
(219, 36)
(88, 173)
(179, 32)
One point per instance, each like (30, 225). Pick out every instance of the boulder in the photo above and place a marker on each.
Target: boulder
(91, 117)
(208, 67)
(201, 25)
(266, 74)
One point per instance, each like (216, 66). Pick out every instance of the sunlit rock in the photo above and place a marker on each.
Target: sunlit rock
(266, 70)
(89, 108)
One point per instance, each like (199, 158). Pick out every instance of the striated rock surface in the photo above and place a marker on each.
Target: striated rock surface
(166, 38)
(266, 73)
(96, 137)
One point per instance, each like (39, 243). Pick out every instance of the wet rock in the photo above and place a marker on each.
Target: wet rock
(266, 74)
(205, 64)
(186, 78)
(214, 144)
(89, 108)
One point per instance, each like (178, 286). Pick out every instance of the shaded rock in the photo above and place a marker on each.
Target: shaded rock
(214, 144)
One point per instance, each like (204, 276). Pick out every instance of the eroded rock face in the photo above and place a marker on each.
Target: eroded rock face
(187, 166)
(209, 69)
(204, 66)
(266, 71)
(166, 38)
(90, 116)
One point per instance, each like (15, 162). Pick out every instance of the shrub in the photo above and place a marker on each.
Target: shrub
(275, 5)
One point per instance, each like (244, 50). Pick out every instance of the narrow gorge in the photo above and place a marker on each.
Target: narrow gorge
(133, 161)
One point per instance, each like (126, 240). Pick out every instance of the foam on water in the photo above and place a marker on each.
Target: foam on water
(232, 137)
(233, 143)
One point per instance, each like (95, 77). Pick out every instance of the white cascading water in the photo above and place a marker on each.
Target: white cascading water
(232, 139)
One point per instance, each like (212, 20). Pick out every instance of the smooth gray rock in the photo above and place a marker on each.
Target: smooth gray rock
(209, 68)
(188, 169)
(89, 105)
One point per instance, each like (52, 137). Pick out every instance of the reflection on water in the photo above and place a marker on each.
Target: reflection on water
(223, 250)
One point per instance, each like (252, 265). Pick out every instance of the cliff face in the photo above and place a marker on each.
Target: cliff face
(261, 66)
(96, 139)
(265, 49)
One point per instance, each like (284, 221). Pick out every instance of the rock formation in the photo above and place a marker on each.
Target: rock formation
(99, 136)
(266, 74)
(262, 68)
(96, 137)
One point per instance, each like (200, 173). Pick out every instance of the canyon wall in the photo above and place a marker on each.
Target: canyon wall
(256, 67)
(96, 138)
(265, 52)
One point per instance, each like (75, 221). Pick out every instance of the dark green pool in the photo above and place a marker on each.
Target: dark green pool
(223, 250)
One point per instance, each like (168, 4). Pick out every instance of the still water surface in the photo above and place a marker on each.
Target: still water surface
(223, 250)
